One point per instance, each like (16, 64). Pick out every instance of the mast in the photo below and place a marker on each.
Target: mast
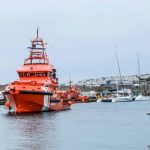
(70, 84)
(116, 85)
(37, 51)
(139, 71)
(37, 33)
(119, 67)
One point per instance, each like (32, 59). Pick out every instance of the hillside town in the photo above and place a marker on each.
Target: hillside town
(128, 81)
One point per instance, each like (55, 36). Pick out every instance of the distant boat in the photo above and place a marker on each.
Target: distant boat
(137, 96)
(2, 98)
(75, 94)
(124, 95)
(99, 100)
(109, 99)
(140, 97)
(92, 94)
(106, 96)
(120, 96)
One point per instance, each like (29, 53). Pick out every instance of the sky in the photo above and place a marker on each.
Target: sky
(81, 35)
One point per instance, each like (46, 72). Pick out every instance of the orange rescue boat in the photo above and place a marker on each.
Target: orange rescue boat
(74, 94)
(36, 88)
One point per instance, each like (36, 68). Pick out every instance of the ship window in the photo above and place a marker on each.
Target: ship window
(26, 74)
(45, 74)
(20, 74)
(41, 74)
(32, 74)
(38, 74)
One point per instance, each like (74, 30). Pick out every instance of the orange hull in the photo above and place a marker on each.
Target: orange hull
(32, 102)
(79, 100)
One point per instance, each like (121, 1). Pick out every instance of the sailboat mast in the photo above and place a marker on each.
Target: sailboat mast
(139, 72)
(116, 85)
(119, 69)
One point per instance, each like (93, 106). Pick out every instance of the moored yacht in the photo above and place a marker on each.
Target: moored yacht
(140, 97)
(124, 96)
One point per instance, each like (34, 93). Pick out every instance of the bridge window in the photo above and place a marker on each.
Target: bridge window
(26, 74)
(38, 74)
(32, 74)
(45, 74)
(20, 74)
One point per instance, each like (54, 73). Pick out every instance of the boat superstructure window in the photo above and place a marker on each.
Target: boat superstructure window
(41, 74)
(123, 93)
(37, 74)
(45, 74)
(26, 74)
(20, 74)
(33, 74)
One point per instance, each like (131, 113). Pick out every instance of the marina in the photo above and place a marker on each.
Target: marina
(74, 75)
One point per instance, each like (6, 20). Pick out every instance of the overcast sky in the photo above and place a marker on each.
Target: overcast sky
(81, 35)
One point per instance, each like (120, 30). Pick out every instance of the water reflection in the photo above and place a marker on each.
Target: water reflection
(34, 129)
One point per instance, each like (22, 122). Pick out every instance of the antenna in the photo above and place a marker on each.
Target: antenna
(37, 32)
(139, 72)
(70, 83)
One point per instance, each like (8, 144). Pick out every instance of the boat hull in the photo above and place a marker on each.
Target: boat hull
(142, 98)
(22, 102)
(124, 99)
(108, 100)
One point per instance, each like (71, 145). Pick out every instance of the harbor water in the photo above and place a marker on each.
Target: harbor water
(87, 126)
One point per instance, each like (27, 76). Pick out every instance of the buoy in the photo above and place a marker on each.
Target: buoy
(69, 103)
(7, 104)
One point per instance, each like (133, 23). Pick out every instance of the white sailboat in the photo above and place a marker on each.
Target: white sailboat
(124, 95)
(138, 96)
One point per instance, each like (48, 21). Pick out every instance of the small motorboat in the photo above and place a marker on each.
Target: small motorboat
(140, 97)
(2, 98)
